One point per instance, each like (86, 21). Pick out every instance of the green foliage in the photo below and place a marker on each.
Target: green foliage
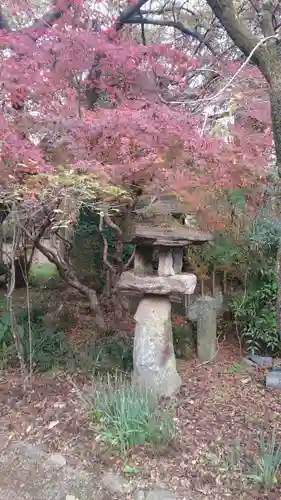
(87, 250)
(109, 355)
(128, 416)
(184, 338)
(255, 314)
(44, 275)
(7, 347)
(267, 468)
(245, 247)
(49, 347)
(247, 252)
(237, 368)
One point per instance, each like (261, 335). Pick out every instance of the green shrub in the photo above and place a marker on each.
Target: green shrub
(87, 251)
(184, 338)
(267, 468)
(128, 416)
(44, 275)
(7, 347)
(255, 314)
(108, 355)
(49, 347)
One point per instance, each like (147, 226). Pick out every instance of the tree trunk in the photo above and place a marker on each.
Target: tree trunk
(67, 273)
(275, 100)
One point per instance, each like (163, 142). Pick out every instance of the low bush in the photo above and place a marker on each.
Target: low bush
(184, 337)
(255, 315)
(128, 416)
(46, 345)
(44, 348)
(44, 275)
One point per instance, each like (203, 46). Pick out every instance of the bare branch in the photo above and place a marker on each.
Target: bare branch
(47, 21)
(172, 24)
(105, 244)
(128, 12)
(130, 260)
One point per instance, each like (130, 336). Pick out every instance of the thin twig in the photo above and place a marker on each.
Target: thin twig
(130, 260)
(105, 243)
(225, 87)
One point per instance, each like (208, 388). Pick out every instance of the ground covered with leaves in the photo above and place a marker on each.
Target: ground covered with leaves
(221, 412)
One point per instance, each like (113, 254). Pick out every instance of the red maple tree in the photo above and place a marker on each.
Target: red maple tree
(78, 90)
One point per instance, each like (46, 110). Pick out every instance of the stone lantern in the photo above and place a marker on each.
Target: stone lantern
(157, 226)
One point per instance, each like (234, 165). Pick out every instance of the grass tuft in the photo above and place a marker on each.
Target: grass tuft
(267, 468)
(128, 416)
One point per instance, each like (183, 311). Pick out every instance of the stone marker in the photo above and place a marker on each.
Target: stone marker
(154, 358)
(206, 329)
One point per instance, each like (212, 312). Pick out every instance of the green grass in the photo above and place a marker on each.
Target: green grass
(267, 468)
(128, 416)
(44, 275)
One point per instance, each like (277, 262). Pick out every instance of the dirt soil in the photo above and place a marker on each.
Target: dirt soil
(221, 408)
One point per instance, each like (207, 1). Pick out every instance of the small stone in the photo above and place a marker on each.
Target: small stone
(139, 495)
(159, 494)
(116, 483)
(245, 381)
(31, 450)
(56, 460)
(248, 365)
(70, 497)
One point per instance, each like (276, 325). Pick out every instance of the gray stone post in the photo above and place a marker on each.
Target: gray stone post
(154, 358)
(206, 329)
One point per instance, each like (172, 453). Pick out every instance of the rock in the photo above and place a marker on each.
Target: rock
(31, 450)
(158, 285)
(139, 495)
(116, 484)
(159, 494)
(165, 266)
(206, 329)
(56, 460)
(273, 379)
(249, 365)
(154, 357)
(262, 361)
